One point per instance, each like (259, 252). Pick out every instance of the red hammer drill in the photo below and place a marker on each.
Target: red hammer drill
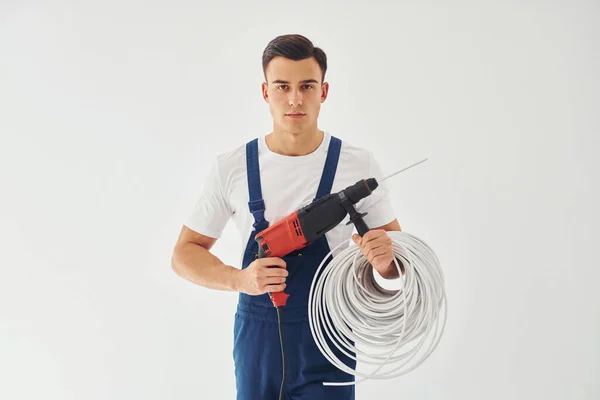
(311, 222)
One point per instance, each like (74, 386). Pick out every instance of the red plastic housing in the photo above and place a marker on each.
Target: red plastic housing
(283, 237)
(278, 240)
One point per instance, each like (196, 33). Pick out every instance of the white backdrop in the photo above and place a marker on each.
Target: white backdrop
(111, 111)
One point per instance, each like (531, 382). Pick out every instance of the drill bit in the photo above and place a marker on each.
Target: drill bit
(404, 169)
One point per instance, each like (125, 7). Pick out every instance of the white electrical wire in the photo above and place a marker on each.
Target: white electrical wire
(390, 331)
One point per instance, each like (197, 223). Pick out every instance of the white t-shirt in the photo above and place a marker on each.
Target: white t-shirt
(288, 183)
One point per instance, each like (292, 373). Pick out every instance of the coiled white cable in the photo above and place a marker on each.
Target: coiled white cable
(390, 331)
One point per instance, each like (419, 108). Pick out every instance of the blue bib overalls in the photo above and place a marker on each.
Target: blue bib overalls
(256, 349)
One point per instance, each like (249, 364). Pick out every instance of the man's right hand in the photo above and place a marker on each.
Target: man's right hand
(262, 276)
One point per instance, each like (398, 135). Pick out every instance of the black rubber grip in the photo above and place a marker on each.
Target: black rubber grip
(361, 189)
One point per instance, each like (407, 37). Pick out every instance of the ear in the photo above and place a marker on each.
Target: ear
(324, 91)
(265, 93)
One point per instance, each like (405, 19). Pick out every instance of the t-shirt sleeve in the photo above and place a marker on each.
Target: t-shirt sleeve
(212, 211)
(377, 205)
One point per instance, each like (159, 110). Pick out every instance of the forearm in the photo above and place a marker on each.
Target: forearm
(197, 265)
(392, 272)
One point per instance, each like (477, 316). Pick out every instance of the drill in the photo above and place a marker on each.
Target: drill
(310, 222)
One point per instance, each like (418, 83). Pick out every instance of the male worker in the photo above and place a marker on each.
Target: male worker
(256, 185)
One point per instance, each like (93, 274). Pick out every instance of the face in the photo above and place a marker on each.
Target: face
(294, 92)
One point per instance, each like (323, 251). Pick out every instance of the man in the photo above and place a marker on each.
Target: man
(256, 185)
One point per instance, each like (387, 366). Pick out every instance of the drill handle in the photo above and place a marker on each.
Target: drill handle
(356, 218)
(361, 226)
(278, 299)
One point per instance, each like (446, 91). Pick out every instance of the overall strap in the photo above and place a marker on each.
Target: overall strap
(333, 155)
(256, 203)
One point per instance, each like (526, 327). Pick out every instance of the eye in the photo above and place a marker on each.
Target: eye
(307, 86)
(281, 87)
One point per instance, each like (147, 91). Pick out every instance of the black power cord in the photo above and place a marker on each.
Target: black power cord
(279, 309)
(261, 254)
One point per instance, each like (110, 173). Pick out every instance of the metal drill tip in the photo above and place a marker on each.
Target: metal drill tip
(404, 169)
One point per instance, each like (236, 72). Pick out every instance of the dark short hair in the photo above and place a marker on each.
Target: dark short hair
(294, 47)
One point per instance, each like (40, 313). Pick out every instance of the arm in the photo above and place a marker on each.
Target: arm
(193, 261)
(392, 272)
(377, 248)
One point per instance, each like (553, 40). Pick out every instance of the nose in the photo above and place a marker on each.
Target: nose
(295, 98)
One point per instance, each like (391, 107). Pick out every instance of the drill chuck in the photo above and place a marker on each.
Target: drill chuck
(360, 190)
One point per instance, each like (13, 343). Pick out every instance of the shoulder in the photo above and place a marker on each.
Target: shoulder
(231, 158)
(230, 166)
(352, 154)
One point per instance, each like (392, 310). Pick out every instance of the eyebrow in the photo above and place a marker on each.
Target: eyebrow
(304, 81)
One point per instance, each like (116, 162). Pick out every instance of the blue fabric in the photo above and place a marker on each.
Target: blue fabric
(256, 349)
(256, 203)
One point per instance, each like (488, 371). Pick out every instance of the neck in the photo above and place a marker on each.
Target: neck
(294, 144)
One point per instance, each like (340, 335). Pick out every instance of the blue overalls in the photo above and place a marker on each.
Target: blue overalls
(256, 349)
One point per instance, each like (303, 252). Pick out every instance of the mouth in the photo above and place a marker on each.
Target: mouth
(295, 115)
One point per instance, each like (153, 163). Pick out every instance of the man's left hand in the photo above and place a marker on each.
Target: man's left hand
(376, 246)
